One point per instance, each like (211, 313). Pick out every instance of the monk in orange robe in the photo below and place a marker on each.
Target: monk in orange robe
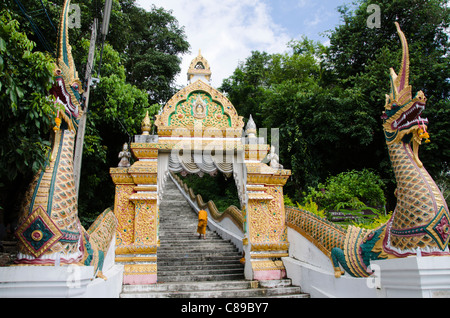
(202, 222)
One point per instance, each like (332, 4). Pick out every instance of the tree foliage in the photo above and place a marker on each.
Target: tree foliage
(363, 56)
(349, 190)
(323, 128)
(327, 101)
(26, 110)
(140, 59)
(219, 189)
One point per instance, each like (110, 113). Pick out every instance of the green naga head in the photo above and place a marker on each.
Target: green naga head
(402, 121)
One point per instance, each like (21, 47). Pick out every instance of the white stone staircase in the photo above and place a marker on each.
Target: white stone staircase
(189, 267)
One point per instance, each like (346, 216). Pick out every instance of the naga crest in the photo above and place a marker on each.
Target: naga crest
(401, 117)
(68, 88)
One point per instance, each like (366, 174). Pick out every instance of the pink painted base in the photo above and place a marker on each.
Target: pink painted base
(269, 275)
(139, 279)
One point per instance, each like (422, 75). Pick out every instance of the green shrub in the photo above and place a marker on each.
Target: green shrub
(372, 223)
(352, 190)
(313, 208)
(288, 201)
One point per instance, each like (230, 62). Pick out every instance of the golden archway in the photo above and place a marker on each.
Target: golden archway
(200, 119)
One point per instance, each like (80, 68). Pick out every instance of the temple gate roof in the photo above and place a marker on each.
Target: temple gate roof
(199, 107)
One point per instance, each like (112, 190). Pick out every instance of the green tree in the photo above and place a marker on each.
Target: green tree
(327, 101)
(151, 54)
(349, 190)
(115, 114)
(322, 132)
(247, 85)
(139, 63)
(26, 110)
(362, 57)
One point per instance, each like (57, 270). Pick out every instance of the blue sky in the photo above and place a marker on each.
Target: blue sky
(306, 17)
(227, 31)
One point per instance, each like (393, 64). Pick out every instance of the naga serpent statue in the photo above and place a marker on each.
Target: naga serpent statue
(420, 221)
(49, 230)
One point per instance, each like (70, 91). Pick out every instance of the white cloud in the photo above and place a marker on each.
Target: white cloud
(303, 3)
(225, 31)
(313, 22)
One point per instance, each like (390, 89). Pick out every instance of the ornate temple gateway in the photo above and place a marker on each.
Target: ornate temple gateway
(199, 131)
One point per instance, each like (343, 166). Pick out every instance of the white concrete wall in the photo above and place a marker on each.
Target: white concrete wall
(44, 281)
(70, 281)
(312, 270)
(410, 277)
(112, 286)
(414, 277)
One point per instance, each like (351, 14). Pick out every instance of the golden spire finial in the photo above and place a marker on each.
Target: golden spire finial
(199, 68)
(146, 125)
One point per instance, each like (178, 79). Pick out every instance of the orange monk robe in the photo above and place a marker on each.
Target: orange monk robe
(202, 222)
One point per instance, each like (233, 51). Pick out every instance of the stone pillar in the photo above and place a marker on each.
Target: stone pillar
(123, 209)
(266, 237)
(137, 212)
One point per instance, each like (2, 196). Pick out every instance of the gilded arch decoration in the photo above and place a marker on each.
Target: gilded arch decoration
(199, 107)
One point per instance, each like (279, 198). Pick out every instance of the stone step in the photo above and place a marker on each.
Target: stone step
(187, 286)
(169, 223)
(196, 255)
(190, 236)
(205, 250)
(211, 289)
(194, 273)
(194, 262)
(187, 230)
(181, 255)
(194, 243)
(165, 263)
(173, 201)
(191, 239)
(189, 233)
(200, 265)
(179, 214)
(168, 196)
(199, 278)
(178, 226)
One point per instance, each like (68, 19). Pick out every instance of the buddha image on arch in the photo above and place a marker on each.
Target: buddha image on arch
(199, 108)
